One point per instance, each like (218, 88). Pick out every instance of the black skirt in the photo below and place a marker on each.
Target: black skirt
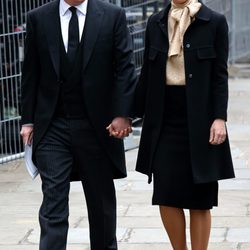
(172, 169)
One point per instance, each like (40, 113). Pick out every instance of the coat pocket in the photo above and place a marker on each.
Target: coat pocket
(206, 53)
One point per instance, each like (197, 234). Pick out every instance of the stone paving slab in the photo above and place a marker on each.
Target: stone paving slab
(126, 246)
(242, 173)
(154, 235)
(238, 235)
(244, 246)
(75, 236)
(143, 235)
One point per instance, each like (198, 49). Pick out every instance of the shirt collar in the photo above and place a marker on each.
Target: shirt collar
(65, 6)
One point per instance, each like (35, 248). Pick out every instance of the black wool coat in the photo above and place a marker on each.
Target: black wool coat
(205, 55)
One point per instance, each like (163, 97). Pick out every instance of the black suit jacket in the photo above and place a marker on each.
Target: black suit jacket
(206, 54)
(107, 72)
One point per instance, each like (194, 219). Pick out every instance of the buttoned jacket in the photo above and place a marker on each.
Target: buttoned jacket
(205, 57)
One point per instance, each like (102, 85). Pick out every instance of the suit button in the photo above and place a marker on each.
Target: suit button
(60, 82)
(188, 45)
(190, 76)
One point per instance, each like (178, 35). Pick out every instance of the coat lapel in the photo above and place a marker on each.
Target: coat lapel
(163, 20)
(53, 29)
(91, 30)
(203, 14)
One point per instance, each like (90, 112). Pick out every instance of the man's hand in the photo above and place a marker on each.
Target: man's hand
(120, 127)
(27, 134)
(218, 132)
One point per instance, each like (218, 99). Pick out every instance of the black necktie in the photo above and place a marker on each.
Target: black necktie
(73, 41)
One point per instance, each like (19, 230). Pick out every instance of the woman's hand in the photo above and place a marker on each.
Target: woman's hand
(120, 127)
(218, 132)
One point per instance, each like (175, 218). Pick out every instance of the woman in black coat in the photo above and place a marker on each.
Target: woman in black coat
(182, 95)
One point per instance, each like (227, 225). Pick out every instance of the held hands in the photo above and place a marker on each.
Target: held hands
(120, 127)
(27, 134)
(218, 132)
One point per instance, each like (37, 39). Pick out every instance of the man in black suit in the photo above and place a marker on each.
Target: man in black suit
(78, 77)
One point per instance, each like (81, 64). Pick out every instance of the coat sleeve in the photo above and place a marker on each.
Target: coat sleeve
(220, 71)
(125, 76)
(30, 74)
(142, 86)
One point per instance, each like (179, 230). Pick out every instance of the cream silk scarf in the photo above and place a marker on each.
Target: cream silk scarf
(179, 19)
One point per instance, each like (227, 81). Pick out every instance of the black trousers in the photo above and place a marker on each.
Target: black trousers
(71, 143)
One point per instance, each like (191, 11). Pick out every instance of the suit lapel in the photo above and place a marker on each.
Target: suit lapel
(91, 30)
(53, 29)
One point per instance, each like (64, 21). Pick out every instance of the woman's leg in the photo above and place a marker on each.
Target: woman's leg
(174, 222)
(200, 226)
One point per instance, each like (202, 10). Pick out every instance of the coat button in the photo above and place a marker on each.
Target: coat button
(190, 76)
(188, 45)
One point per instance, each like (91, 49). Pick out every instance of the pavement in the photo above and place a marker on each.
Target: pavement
(139, 225)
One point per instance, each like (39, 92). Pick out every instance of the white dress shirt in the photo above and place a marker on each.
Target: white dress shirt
(65, 15)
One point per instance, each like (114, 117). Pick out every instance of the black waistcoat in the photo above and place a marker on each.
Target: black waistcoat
(71, 102)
